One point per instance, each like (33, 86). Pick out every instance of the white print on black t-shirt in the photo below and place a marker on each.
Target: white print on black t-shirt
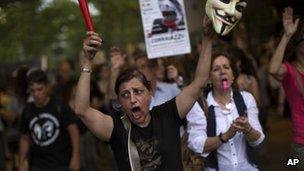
(150, 159)
(44, 129)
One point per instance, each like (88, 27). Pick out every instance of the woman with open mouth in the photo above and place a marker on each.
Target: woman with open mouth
(228, 134)
(142, 139)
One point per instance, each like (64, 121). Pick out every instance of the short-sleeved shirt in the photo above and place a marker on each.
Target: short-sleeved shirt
(296, 102)
(158, 144)
(47, 128)
(164, 92)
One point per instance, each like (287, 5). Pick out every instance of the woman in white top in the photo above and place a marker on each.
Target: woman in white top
(233, 126)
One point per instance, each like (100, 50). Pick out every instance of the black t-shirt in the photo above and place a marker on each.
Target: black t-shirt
(47, 128)
(158, 144)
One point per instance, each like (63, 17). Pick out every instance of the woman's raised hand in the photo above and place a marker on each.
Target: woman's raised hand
(207, 27)
(290, 26)
(91, 44)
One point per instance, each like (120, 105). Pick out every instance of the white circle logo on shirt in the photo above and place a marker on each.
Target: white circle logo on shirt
(44, 129)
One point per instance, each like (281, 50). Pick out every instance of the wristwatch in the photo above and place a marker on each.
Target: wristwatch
(86, 70)
(221, 138)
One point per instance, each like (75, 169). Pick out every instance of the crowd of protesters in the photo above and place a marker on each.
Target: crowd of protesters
(219, 101)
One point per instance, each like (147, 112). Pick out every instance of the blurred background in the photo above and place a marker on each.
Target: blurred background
(40, 33)
(33, 29)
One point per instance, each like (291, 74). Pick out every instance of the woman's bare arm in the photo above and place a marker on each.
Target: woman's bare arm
(99, 123)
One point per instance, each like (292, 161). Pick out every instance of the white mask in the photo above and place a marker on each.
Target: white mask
(225, 14)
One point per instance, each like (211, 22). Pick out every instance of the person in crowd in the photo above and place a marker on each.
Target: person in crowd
(160, 90)
(247, 79)
(118, 62)
(174, 73)
(291, 75)
(96, 154)
(12, 114)
(4, 101)
(264, 86)
(160, 72)
(64, 79)
(49, 135)
(142, 139)
(227, 134)
(100, 87)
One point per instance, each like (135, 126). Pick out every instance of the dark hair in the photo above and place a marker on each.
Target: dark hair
(129, 74)
(96, 71)
(152, 63)
(65, 60)
(20, 85)
(232, 62)
(299, 41)
(292, 48)
(247, 66)
(138, 54)
(233, 66)
(68, 61)
(37, 76)
(115, 49)
(298, 44)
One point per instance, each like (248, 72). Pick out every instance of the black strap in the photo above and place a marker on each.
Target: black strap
(212, 161)
(240, 103)
(201, 103)
(242, 110)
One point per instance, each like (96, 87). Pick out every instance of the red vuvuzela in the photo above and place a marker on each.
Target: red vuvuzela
(83, 5)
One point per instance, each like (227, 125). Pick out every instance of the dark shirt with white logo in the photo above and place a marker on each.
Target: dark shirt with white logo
(47, 129)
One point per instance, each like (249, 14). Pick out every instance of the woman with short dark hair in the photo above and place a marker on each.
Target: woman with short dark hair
(142, 139)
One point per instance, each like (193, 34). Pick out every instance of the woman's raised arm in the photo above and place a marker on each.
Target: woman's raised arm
(276, 67)
(97, 122)
(190, 93)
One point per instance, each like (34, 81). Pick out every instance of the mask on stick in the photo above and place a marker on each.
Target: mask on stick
(225, 14)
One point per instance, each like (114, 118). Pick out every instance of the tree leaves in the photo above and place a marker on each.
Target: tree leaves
(31, 29)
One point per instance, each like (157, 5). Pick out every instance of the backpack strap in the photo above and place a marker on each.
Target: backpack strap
(203, 104)
(132, 150)
(239, 103)
(211, 161)
(242, 110)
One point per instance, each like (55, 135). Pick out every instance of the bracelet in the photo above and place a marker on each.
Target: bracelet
(221, 138)
(86, 70)
(247, 132)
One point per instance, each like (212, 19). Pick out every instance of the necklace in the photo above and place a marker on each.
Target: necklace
(225, 107)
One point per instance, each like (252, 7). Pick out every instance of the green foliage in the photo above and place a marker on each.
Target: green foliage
(29, 30)
(119, 21)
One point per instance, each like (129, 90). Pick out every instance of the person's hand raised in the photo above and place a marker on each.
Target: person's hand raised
(290, 26)
(91, 44)
(208, 31)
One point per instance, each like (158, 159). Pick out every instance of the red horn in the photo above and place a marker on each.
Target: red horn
(83, 5)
